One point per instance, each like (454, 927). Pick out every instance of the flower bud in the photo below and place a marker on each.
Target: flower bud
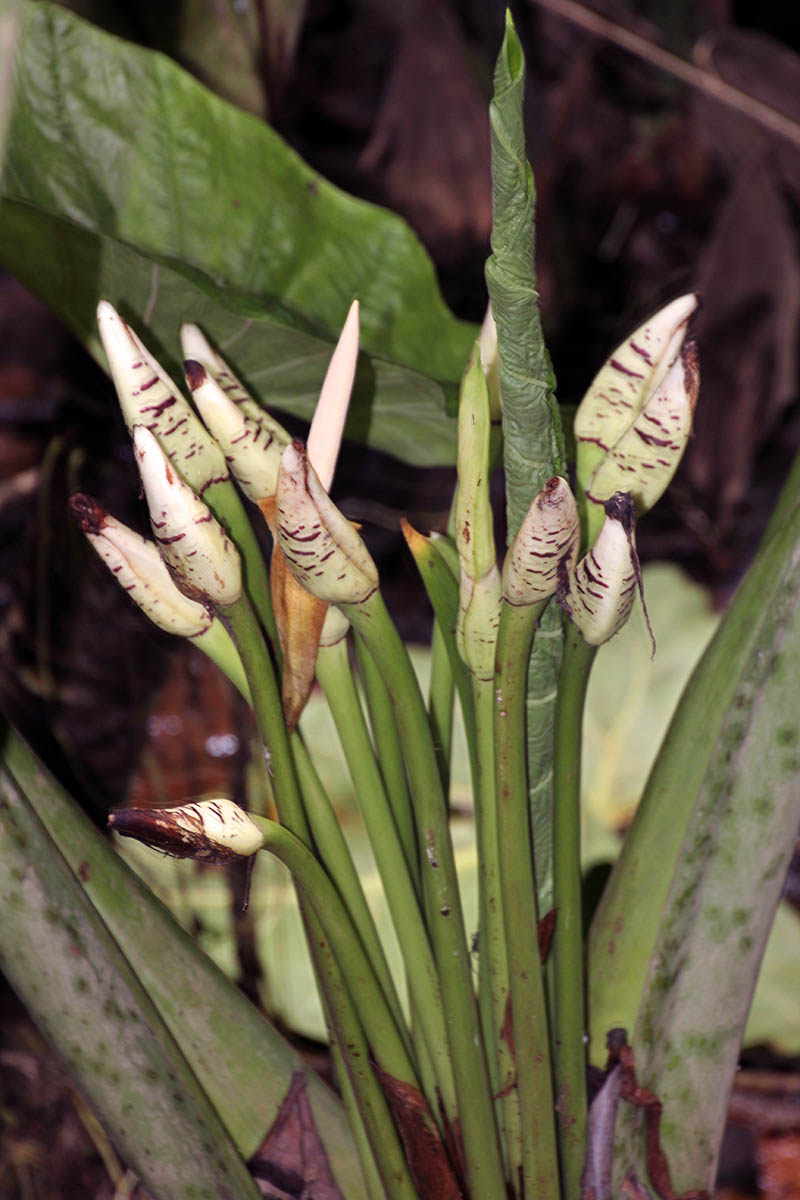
(148, 397)
(327, 425)
(598, 593)
(251, 442)
(322, 549)
(645, 458)
(548, 536)
(211, 831)
(202, 560)
(622, 387)
(140, 570)
(195, 346)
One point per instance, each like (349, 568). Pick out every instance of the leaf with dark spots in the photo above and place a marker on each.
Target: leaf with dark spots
(632, 1091)
(428, 1160)
(291, 1161)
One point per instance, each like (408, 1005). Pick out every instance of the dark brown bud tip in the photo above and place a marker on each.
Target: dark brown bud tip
(620, 507)
(90, 515)
(154, 829)
(195, 374)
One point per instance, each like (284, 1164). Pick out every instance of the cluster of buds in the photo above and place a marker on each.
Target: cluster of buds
(631, 429)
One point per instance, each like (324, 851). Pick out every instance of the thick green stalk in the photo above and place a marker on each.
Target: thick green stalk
(310, 816)
(372, 1176)
(244, 629)
(518, 879)
(568, 955)
(483, 1159)
(335, 676)
(388, 1044)
(364, 1098)
(334, 853)
(493, 988)
(441, 695)
(389, 750)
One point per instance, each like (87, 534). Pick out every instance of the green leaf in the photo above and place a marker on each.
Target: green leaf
(533, 441)
(126, 178)
(244, 1066)
(685, 917)
(83, 994)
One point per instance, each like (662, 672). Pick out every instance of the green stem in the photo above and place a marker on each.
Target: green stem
(484, 1165)
(334, 853)
(441, 695)
(336, 678)
(365, 1094)
(244, 629)
(369, 1166)
(388, 1043)
(389, 750)
(540, 1176)
(568, 955)
(493, 983)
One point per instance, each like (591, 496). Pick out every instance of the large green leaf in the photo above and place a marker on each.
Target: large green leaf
(243, 1065)
(80, 988)
(533, 442)
(685, 918)
(128, 179)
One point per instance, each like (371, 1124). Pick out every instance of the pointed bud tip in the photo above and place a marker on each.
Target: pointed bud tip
(620, 507)
(195, 374)
(90, 516)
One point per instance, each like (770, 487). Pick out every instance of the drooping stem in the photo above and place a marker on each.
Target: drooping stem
(568, 951)
(530, 1029)
(335, 676)
(442, 900)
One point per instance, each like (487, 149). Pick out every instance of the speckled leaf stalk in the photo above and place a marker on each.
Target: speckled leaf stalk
(533, 446)
(83, 993)
(728, 809)
(443, 911)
